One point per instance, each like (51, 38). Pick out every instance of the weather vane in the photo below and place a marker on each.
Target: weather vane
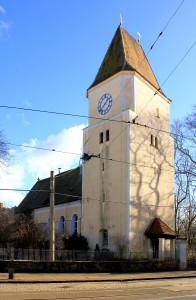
(139, 37)
(121, 21)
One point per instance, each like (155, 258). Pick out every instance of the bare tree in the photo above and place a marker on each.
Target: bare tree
(27, 232)
(184, 132)
(6, 228)
(4, 150)
(121, 245)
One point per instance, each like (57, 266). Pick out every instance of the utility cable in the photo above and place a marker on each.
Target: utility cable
(79, 154)
(58, 113)
(92, 199)
(167, 78)
(83, 198)
(145, 56)
(166, 26)
(99, 118)
(40, 148)
(103, 119)
(135, 164)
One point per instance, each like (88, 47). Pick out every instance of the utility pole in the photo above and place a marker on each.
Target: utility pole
(52, 218)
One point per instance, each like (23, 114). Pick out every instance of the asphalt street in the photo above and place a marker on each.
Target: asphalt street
(160, 289)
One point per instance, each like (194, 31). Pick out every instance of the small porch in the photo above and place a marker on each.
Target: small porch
(161, 240)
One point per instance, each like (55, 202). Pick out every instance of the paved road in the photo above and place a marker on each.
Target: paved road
(165, 289)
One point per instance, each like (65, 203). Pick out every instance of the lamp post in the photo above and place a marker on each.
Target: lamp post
(52, 218)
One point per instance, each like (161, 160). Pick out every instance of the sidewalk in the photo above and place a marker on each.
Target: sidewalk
(91, 277)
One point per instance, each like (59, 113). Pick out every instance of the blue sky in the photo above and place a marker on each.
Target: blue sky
(50, 53)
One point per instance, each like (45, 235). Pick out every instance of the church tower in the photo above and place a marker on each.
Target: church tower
(128, 175)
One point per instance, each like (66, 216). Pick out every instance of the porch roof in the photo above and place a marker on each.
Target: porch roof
(158, 229)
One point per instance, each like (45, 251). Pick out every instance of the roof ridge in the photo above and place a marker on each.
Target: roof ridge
(125, 54)
(123, 47)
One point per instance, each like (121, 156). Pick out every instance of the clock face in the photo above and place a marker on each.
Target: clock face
(104, 104)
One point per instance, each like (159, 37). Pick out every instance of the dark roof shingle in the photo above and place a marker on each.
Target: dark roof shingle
(125, 53)
(68, 188)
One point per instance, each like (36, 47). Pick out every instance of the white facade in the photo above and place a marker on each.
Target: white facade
(129, 179)
(133, 181)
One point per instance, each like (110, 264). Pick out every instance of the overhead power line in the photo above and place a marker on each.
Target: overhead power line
(40, 148)
(103, 119)
(140, 62)
(83, 198)
(167, 78)
(99, 118)
(58, 113)
(92, 199)
(178, 63)
(165, 26)
(85, 156)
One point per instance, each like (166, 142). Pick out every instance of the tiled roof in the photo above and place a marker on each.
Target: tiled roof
(159, 229)
(69, 183)
(125, 53)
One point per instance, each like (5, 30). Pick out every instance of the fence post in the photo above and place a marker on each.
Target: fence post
(181, 253)
(10, 271)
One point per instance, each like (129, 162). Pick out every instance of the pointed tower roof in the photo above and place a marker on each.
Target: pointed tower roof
(125, 53)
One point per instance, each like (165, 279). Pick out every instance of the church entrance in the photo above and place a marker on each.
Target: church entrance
(155, 248)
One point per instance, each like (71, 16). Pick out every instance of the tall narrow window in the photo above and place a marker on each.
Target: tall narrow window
(157, 112)
(107, 135)
(74, 225)
(103, 197)
(102, 166)
(61, 223)
(101, 137)
(151, 140)
(156, 142)
(105, 238)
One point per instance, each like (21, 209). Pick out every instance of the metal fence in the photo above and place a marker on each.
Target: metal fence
(76, 255)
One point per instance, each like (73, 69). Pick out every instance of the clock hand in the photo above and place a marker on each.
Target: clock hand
(104, 103)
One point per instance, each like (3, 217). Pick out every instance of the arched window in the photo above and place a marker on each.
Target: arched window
(74, 224)
(61, 224)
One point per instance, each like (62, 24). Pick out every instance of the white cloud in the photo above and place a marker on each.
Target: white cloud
(24, 121)
(8, 116)
(11, 180)
(2, 10)
(29, 163)
(27, 103)
(4, 28)
(4, 25)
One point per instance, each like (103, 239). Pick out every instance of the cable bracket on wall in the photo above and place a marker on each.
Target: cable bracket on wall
(86, 157)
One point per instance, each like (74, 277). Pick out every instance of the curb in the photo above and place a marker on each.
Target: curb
(14, 281)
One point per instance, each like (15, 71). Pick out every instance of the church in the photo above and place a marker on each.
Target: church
(125, 187)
